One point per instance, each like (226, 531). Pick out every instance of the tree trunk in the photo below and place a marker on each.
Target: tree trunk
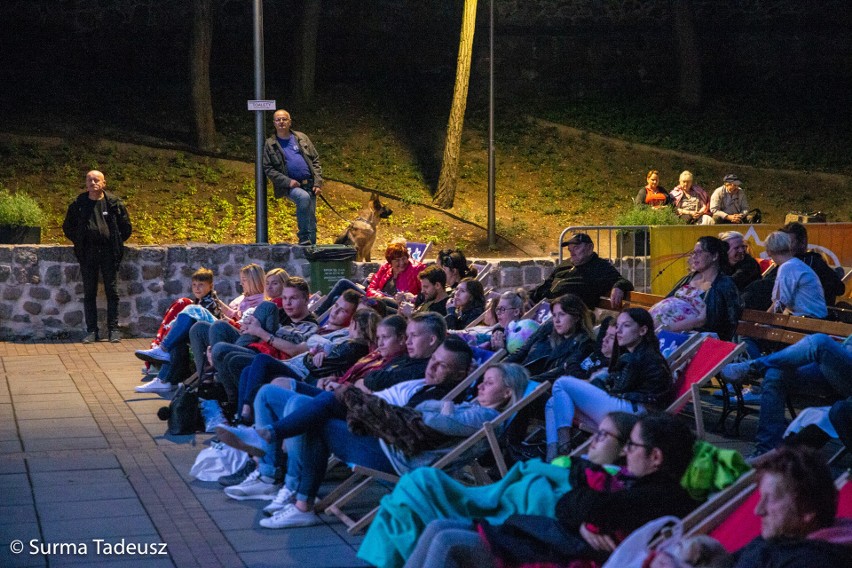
(199, 72)
(306, 74)
(689, 94)
(446, 192)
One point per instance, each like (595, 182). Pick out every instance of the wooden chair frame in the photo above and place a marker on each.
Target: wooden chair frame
(362, 476)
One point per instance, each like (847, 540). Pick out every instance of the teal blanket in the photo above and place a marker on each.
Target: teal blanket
(427, 494)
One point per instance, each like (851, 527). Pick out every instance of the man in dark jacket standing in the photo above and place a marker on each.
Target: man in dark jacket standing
(98, 224)
(291, 163)
(586, 275)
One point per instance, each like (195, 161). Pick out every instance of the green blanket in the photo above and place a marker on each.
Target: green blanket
(712, 469)
(427, 494)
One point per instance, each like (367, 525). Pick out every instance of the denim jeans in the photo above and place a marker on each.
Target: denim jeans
(274, 405)
(571, 396)
(306, 213)
(817, 365)
(450, 543)
(322, 407)
(178, 333)
(270, 405)
(176, 343)
(229, 361)
(199, 339)
(222, 332)
(262, 370)
(335, 438)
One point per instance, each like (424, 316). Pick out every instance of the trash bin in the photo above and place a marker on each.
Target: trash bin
(329, 263)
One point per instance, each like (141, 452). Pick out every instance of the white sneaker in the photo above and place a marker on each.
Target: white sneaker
(290, 516)
(154, 355)
(255, 486)
(156, 385)
(285, 497)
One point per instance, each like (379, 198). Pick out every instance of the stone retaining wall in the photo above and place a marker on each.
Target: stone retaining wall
(41, 289)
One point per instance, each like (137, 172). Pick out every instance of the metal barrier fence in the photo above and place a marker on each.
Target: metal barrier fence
(627, 247)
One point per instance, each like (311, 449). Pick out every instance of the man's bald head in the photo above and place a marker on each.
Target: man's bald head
(95, 184)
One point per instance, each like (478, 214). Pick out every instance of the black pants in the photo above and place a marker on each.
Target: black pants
(99, 260)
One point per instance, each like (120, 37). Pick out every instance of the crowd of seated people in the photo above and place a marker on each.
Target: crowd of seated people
(365, 380)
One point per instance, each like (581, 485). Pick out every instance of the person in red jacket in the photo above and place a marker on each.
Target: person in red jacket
(396, 280)
(399, 275)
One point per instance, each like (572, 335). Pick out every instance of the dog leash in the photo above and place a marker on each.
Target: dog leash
(321, 196)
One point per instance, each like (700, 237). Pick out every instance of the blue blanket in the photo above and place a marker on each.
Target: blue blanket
(427, 494)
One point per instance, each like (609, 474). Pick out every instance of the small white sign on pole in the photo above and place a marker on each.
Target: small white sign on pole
(261, 105)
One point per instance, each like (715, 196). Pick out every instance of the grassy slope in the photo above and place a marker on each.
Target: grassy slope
(548, 177)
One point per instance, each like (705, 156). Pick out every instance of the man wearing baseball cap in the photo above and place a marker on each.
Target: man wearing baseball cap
(585, 274)
(728, 204)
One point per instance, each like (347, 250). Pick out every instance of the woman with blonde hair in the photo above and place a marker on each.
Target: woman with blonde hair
(275, 280)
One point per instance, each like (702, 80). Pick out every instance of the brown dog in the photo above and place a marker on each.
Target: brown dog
(362, 231)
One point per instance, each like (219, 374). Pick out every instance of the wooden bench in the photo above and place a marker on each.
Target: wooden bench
(778, 328)
(631, 300)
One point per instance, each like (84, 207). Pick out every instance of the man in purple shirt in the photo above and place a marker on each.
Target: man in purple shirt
(291, 163)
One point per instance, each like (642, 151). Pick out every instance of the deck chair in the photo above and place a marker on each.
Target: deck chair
(734, 523)
(361, 477)
(418, 251)
(539, 313)
(315, 300)
(483, 269)
(683, 347)
(659, 535)
(465, 451)
(844, 498)
(710, 357)
(693, 369)
(674, 345)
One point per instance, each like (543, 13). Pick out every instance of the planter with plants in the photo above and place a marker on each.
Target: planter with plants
(637, 242)
(20, 218)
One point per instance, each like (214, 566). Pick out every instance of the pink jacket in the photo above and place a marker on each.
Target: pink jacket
(407, 281)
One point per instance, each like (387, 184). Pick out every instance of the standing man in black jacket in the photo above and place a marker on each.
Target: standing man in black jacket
(586, 275)
(98, 224)
(291, 163)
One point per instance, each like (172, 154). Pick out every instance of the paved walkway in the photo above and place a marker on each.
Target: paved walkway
(86, 473)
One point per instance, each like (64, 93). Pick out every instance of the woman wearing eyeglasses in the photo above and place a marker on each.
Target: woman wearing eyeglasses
(706, 299)
(589, 523)
(503, 328)
(638, 379)
(530, 488)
